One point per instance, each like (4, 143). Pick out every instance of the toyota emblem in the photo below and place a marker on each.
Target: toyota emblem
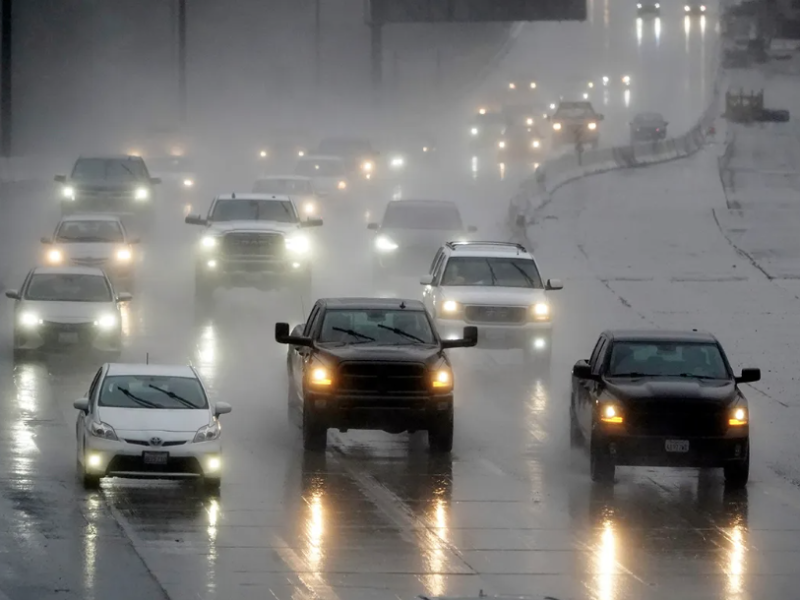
(156, 441)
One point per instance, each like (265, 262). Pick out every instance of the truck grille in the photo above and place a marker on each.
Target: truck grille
(495, 314)
(679, 418)
(103, 198)
(261, 245)
(382, 378)
(89, 262)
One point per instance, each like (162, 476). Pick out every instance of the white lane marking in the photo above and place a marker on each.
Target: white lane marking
(313, 581)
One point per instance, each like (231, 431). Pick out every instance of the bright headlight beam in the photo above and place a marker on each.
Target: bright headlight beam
(474, 131)
(398, 161)
(450, 306)
(557, 126)
(540, 309)
(106, 321)
(55, 256)
(141, 193)
(298, 243)
(188, 183)
(68, 192)
(592, 126)
(29, 319)
(384, 244)
(123, 254)
(209, 242)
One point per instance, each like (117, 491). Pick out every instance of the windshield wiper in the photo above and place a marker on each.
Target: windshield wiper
(401, 332)
(174, 396)
(139, 400)
(693, 376)
(635, 375)
(354, 334)
(124, 166)
(527, 277)
(491, 272)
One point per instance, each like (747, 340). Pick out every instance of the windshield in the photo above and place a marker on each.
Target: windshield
(90, 231)
(667, 359)
(574, 112)
(254, 210)
(346, 148)
(359, 325)
(282, 186)
(68, 288)
(497, 272)
(320, 168)
(401, 215)
(146, 391)
(110, 169)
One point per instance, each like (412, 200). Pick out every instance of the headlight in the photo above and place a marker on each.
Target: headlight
(481, 111)
(626, 80)
(367, 166)
(442, 379)
(687, 8)
(536, 143)
(541, 311)
(658, 5)
(29, 319)
(319, 376)
(68, 192)
(263, 154)
(610, 414)
(557, 126)
(106, 321)
(533, 85)
(298, 243)
(552, 106)
(55, 256)
(512, 86)
(529, 121)
(208, 432)
(638, 6)
(209, 242)
(309, 208)
(397, 162)
(102, 430)
(738, 417)
(501, 145)
(141, 193)
(703, 8)
(342, 185)
(474, 131)
(124, 255)
(450, 307)
(301, 153)
(188, 183)
(384, 244)
(592, 126)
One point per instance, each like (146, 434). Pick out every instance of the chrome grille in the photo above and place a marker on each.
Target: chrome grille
(255, 245)
(496, 314)
(679, 418)
(147, 443)
(382, 378)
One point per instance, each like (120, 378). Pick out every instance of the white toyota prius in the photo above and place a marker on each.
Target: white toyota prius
(149, 421)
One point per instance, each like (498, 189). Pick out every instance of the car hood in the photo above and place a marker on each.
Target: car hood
(380, 353)
(154, 420)
(641, 390)
(68, 312)
(493, 296)
(259, 226)
(89, 249)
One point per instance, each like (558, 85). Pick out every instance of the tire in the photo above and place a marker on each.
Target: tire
(291, 411)
(575, 433)
(737, 473)
(22, 355)
(601, 465)
(440, 434)
(212, 485)
(315, 433)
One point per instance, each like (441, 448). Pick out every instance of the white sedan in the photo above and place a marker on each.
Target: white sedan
(67, 308)
(149, 421)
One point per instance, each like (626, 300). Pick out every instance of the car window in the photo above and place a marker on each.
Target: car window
(363, 326)
(435, 260)
(596, 350)
(154, 392)
(68, 288)
(282, 186)
(598, 358)
(90, 231)
(437, 269)
(310, 323)
(109, 169)
(403, 215)
(253, 210)
(93, 385)
(491, 271)
(320, 168)
(667, 359)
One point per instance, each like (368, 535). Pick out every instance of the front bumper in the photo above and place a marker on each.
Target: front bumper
(123, 459)
(378, 412)
(67, 337)
(222, 271)
(534, 335)
(650, 451)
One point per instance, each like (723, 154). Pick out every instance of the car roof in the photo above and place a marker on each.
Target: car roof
(68, 271)
(91, 217)
(283, 177)
(370, 303)
(320, 157)
(253, 196)
(660, 335)
(480, 248)
(148, 369)
(111, 157)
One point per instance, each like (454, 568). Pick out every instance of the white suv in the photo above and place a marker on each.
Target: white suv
(496, 286)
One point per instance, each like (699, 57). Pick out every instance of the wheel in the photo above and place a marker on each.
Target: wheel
(601, 465)
(315, 433)
(737, 473)
(211, 485)
(575, 433)
(21, 354)
(440, 434)
(291, 410)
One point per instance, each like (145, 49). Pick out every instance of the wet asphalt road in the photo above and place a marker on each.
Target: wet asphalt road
(511, 511)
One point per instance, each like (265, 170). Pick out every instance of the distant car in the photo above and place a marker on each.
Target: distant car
(576, 122)
(358, 155)
(283, 147)
(661, 399)
(327, 173)
(148, 421)
(486, 129)
(69, 309)
(371, 363)
(521, 142)
(252, 241)
(695, 8)
(648, 127)
(177, 170)
(648, 8)
(411, 232)
(496, 286)
(120, 185)
(93, 241)
(299, 189)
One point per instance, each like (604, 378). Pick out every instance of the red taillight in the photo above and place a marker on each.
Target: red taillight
(657, 130)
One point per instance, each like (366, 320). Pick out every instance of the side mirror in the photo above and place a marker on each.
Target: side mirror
(749, 376)
(472, 229)
(135, 240)
(81, 404)
(60, 178)
(13, 294)
(426, 280)
(469, 339)
(282, 336)
(583, 371)
(155, 180)
(47, 240)
(124, 297)
(554, 284)
(195, 220)
(373, 226)
(311, 223)
(222, 408)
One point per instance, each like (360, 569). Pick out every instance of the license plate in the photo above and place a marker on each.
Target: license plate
(68, 338)
(155, 458)
(676, 445)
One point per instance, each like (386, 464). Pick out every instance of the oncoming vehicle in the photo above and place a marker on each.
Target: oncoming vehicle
(327, 173)
(648, 8)
(69, 309)
(661, 399)
(357, 154)
(576, 123)
(148, 421)
(115, 184)
(694, 8)
(367, 363)
(176, 169)
(486, 129)
(520, 142)
(299, 189)
(496, 286)
(93, 241)
(412, 230)
(252, 240)
(648, 127)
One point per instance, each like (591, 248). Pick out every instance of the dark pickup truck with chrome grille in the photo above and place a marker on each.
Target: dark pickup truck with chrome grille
(252, 241)
(369, 363)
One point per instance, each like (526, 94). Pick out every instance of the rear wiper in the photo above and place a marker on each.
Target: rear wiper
(139, 400)
(354, 333)
(173, 395)
(401, 332)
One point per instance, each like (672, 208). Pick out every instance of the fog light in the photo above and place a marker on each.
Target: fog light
(95, 460)
(539, 343)
(212, 264)
(214, 464)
